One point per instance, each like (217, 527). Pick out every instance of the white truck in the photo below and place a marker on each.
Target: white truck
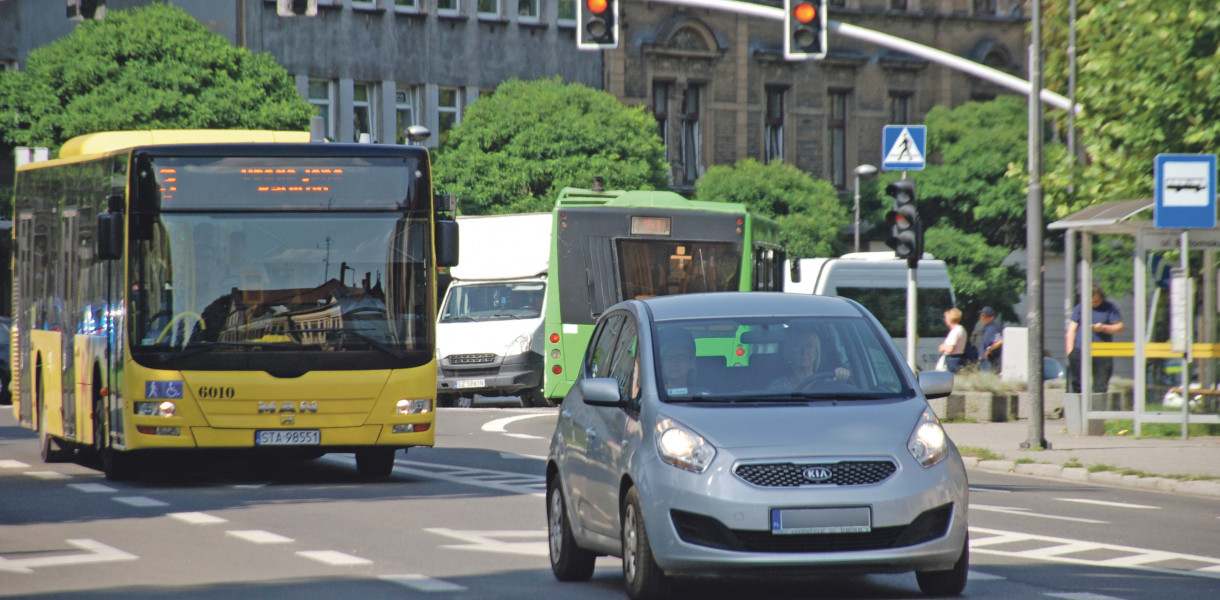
(489, 329)
(878, 281)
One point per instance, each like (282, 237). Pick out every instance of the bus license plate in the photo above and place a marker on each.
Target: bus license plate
(288, 437)
(470, 383)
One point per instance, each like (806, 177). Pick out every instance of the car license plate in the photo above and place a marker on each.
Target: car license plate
(463, 384)
(288, 437)
(848, 519)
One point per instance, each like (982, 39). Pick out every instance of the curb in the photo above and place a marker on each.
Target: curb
(1112, 478)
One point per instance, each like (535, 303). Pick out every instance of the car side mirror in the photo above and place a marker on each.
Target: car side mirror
(600, 391)
(936, 384)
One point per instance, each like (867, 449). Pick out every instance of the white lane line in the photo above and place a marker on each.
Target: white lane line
(497, 426)
(93, 488)
(332, 557)
(524, 436)
(1059, 550)
(980, 576)
(12, 464)
(422, 583)
(974, 488)
(1025, 512)
(95, 552)
(140, 501)
(47, 475)
(250, 486)
(198, 518)
(1107, 503)
(258, 536)
(534, 485)
(1080, 596)
(514, 456)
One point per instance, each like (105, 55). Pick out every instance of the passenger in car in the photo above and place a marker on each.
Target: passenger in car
(804, 353)
(678, 364)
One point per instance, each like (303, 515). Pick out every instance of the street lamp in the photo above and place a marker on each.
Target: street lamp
(861, 171)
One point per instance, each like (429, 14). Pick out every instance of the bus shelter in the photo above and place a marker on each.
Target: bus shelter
(1129, 218)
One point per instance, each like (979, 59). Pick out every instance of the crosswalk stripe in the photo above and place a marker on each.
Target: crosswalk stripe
(422, 583)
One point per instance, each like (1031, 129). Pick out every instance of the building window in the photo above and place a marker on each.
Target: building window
(985, 7)
(660, 109)
(405, 111)
(364, 5)
(407, 6)
(363, 111)
(899, 5)
(527, 10)
(837, 3)
(837, 126)
(448, 7)
(320, 93)
(566, 12)
(489, 8)
(900, 108)
(775, 125)
(448, 112)
(690, 134)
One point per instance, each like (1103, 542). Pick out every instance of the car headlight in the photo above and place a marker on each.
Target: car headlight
(683, 448)
(521, 345)
(928, 444)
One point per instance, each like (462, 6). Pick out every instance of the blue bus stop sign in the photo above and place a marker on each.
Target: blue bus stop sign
(1185, 191)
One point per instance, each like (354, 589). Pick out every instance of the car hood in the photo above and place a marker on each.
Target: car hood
(855, 427)
(479, 337)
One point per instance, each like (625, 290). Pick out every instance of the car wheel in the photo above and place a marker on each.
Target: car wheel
(569, 562)
(946, 583)
(642, 577)
(375, 463)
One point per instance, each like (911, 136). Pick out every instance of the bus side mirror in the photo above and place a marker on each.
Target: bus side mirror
(110, 235)
(794, 270)
(446, 243)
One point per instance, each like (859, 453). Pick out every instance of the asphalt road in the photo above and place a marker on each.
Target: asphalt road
(467, 520)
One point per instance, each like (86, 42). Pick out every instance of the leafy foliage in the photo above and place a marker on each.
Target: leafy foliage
(808, 211)
(148, 68)
(515, 149)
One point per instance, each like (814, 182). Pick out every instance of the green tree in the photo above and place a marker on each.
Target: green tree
(808, 211)
(516, 148)
(147, 68)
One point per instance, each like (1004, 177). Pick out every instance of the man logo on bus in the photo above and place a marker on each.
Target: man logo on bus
(287, 407)
(166, 390)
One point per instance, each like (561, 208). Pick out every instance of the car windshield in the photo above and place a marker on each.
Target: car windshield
(777, 359)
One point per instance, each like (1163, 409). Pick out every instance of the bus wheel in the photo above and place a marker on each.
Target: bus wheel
(375, 463)
(55, 450)
(534, 397)
(120, 466)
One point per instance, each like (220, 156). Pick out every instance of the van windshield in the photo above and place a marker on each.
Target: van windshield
(889, 305)
(494, 301)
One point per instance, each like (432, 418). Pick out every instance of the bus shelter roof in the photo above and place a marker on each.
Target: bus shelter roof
(1108, 217)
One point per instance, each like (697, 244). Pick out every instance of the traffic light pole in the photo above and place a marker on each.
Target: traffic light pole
(912, 306)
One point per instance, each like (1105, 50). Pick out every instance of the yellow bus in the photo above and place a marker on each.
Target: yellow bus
(187, 290)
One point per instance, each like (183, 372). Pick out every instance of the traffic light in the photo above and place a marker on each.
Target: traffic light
(805, 29)
(83, 10)
(292, 8)
(906, 232)
(598, 24)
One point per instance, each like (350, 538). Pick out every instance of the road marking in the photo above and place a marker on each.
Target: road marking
(1025, 512)
(95, 552)
(987, 489)
(1080, 596)
(978, 576)
(422, 583)
(140, 501)
(524, 436)
(47, 475)
(12, 464)
(1061, 550)
(497, 426)
(93, 488)
(514, 456)
(504, 481)
(1107, 503)
(332, 557)
(251, 486)
(198, 518)
(258, 536)
(485, 541)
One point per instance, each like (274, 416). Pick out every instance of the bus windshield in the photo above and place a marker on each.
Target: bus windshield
(250, 283)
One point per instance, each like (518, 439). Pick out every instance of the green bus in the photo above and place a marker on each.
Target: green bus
(609, 246)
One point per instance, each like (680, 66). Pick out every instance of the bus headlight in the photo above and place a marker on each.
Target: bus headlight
(164, 408)
(521, 345)
(928, 443)
(414, 406)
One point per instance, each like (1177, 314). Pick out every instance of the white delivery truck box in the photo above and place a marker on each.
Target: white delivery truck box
(878, 281)
(489, 328)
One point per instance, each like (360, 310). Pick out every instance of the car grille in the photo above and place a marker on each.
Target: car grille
(793, 475)
(471, 359)
(706, 531)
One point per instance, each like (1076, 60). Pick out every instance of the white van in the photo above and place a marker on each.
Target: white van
(489, 329)
(878, 281)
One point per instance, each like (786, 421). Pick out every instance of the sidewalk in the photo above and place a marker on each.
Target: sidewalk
(1163, 460)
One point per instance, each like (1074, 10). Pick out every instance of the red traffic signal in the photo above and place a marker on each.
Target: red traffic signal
(599, 24)
(805, 28)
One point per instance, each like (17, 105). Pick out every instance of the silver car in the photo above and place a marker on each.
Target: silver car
(720, 434)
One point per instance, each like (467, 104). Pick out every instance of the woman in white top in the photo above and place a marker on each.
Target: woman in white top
(955, 343)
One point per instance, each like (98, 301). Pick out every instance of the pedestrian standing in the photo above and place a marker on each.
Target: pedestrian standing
(992, 341)
(1106, 322)
(954, 346)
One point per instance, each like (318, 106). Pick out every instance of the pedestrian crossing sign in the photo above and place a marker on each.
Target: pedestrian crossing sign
(904, 147)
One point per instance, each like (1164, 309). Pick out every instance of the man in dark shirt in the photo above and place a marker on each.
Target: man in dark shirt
(992, 342)
(1106, 322)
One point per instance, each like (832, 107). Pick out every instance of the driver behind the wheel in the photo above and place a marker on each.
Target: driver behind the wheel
(804, 357)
